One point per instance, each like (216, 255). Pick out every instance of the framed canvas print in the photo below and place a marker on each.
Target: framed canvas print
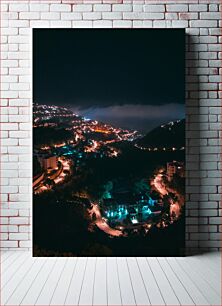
(108, 142)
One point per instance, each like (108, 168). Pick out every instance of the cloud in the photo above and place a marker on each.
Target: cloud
(141, 117)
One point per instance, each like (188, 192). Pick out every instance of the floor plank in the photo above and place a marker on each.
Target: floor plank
(35, 289)
(208, 292)
(60, 293)
(141, 295)
(21, 290)
(73, 294)
(126, 289)
(12, 270)
(48, 290)
(113, 284)
(10, 286)
(187, 281)
(11, 261)
(86, 294)
(100, 283)
(165, 287)
(152, 287)
(4, 255)
(213, 279)
(180, 291)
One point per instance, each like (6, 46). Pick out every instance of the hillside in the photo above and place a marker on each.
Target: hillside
(167, 135)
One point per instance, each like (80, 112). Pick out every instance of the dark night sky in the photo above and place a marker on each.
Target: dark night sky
(131, 78)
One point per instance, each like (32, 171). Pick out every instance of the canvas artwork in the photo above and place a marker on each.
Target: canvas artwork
(108, 142)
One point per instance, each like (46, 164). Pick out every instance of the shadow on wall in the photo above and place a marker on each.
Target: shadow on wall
(194, 193)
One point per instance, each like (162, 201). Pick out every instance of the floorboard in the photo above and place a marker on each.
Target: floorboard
(73, 293)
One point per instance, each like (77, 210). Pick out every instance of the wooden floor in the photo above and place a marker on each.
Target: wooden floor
(193, 280)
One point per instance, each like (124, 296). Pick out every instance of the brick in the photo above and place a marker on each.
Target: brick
(180, 23)
(3, 220)
(8, 228)
(9, 94)
(82, 24)
(60, 24)
(18, 150)
(51, 16)
(154, 8)
(122, 7)
(102, 24)
(18, 236)
(4, 7)
(18, 23)
(137, 7)
(171, 16)
(215, 63)
(215, 236)
(208, 205)
(24, 229)
(147, 23)
(122, 23)
(9, 63)
(19, 118)
(208, 15)
(39, 24)
(60, 8)
(203, 23)
(187, 16)
(24, 126)
(135, 15)
(19, 220)
(215, 220)
(208, 213)
(25, 244)
(13, 47)
(71, 16)
(102, 7)
(29, 15)
(213, 7)
(9, 126)
(19, 86)
(8, 244)
(82, 7)
(177, 8)
(24, 212)
(199, 236)
(92, 15)
(19, 102)
(162, 23)
(112, 15)
(197, 7)
(9, 142)
(36, 7)
(4, 236)
(20, 7)
(9, 31)
(9, 212)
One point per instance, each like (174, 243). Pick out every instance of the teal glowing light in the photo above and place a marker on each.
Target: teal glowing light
(149, 211)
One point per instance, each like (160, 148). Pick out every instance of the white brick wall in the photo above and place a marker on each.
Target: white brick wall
(203, 93)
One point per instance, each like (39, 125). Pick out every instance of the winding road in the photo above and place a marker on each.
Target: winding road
(102, 224)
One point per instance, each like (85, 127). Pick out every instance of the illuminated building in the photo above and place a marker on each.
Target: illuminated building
(49, 162)
(175, 168)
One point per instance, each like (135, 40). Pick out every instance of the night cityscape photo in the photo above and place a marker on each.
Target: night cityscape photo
(108, 142)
